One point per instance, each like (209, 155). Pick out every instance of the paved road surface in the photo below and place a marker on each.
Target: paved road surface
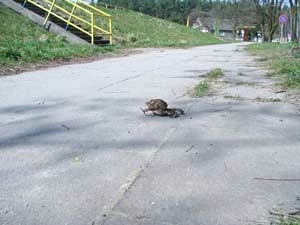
(76, 150)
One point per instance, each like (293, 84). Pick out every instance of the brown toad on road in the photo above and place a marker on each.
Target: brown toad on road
(160, 108)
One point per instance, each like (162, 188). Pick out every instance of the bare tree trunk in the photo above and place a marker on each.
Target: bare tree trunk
(235, 8)
(263, 22)
(296, 22)
(294, 13)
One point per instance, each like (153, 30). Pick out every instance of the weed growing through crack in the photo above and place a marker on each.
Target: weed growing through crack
(244, 83)
(215, 73)
(204, 87)
(260, 99)
(236, 97)
(201, 89)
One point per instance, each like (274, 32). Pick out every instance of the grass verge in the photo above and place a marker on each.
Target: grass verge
(289, 222)
(279, 58)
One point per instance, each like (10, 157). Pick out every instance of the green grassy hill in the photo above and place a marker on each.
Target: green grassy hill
(139, 30)
(23, 42)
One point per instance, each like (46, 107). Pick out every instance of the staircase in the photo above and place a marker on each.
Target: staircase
(81, 19)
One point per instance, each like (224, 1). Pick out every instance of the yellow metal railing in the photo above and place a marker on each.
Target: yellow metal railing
(78, 14)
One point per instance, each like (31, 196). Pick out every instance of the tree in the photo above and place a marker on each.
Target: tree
(269, 12)
(235, 8)
(294, 19)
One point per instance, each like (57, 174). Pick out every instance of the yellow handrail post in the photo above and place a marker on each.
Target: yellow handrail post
(188, 21)
(110, 30)
(72, 11)
(92, 26)
(49, 12)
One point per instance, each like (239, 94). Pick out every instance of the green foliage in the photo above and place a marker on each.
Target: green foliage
(289, 222)
(285, 64)
(176, 11)
(279, 58)
(292, 79)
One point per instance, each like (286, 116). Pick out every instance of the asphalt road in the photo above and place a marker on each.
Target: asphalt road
(76, 150)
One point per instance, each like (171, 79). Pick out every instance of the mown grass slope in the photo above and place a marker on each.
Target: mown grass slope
(133, 29)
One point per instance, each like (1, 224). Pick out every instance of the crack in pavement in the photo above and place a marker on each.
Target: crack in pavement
(120, 81)
(133, 177)
(126, 79)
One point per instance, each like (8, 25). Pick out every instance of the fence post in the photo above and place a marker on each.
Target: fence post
(110, 30)
(188, 21)
(24, 3)
(49, 12)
